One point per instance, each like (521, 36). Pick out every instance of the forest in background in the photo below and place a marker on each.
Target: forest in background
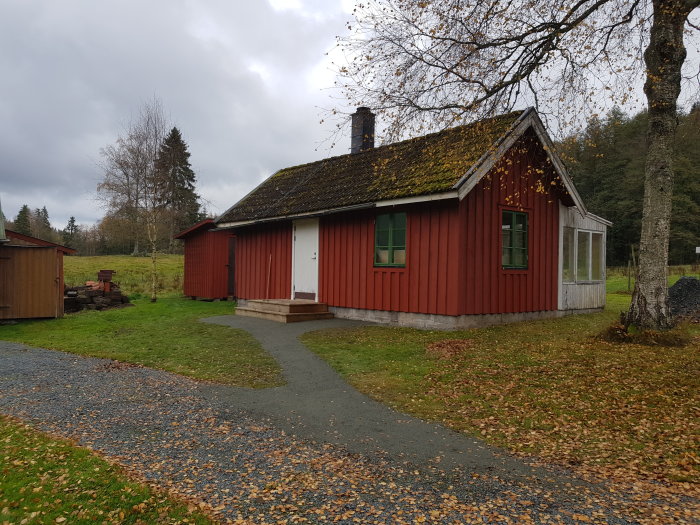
(605, 160)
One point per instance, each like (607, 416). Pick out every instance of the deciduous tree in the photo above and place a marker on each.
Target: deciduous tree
(131, 181)
(432, 63)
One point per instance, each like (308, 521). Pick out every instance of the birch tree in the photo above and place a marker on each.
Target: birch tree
(432, 63)
(131, 180)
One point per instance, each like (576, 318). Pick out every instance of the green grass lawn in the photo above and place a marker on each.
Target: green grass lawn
(547, 388)
(48, 480)
(133, 273)
(165, 335)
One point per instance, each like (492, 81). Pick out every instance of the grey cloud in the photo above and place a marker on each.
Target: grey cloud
(74, 72)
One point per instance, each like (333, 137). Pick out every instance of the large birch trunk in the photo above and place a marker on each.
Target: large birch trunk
(664, 58)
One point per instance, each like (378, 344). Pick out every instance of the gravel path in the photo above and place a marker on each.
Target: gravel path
(292, 454)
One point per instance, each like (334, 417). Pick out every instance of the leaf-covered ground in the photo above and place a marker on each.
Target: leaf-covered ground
(46, 480)
(244, 470)
(550, 389)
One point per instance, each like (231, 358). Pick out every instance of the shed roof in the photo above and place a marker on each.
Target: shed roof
(35, 241)
(206, 224)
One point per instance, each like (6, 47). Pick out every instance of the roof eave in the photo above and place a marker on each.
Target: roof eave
(329, 211)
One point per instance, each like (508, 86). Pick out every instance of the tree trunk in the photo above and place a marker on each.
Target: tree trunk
(152, 225)
(664, 58)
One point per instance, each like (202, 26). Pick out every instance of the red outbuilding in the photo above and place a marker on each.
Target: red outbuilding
(473, 225)
(210, 257)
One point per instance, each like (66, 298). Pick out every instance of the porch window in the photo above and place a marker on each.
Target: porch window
(569, 266)
(582, 256)
(390, 240)
(514, 240)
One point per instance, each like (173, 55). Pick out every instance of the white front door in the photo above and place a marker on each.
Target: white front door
(305, 259)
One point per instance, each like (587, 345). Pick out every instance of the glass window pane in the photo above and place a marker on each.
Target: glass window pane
(399, 256)
(505, 258)
(390, 239)
(383, 222)
(582, 258)
(597, 257)
(399, 240)
(507, 220)
(568, 255)
(506, 239)
(381, 256)
(514, 239)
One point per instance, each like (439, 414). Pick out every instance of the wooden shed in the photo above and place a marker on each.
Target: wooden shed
(31, 277)
(209, 262)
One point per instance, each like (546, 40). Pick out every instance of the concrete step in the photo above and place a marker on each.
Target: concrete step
(286, 305)
(283, 317)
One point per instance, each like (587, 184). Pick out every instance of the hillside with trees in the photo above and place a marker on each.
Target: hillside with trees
(606, 161)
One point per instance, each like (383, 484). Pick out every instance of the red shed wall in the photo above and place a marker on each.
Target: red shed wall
(512, 185)
(206, 260)
(264, 261)
(348, 278)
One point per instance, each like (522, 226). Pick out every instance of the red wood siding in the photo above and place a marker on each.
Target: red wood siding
(348, 278)
(264, 261)
(453, 249)
(512, 185)
(206, 260)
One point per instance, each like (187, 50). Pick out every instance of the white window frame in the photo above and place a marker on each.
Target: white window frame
(589, 257)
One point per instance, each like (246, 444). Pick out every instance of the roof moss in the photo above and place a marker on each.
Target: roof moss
(421, 166)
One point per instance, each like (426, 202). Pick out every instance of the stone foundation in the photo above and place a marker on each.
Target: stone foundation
(448, 322)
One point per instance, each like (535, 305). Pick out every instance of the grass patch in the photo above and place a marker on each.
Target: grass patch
(133, 273)
(548, 388)
(47, 480)
(165, 335)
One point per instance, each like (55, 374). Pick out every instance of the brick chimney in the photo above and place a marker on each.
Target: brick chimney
(362, 130)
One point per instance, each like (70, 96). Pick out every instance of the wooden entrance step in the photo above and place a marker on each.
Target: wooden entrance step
(285, 310)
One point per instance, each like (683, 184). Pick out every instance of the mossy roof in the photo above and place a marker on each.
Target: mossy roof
(416, 167)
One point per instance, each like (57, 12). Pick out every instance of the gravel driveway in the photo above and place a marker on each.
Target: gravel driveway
(288, 454)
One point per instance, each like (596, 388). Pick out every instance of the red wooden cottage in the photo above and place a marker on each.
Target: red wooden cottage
(473, 225)
(209, 261)
(31, 276)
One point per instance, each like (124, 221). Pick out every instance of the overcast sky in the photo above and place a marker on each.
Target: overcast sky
(245, 81)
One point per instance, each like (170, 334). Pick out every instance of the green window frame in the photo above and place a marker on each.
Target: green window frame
(514, 241)
(390, 240)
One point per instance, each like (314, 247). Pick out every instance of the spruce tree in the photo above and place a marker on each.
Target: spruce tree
(176, 173)
(23, 223)
(69, 232)
(41, 225)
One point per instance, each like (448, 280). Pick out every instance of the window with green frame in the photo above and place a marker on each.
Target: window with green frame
(390, 240)
(514, 239)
